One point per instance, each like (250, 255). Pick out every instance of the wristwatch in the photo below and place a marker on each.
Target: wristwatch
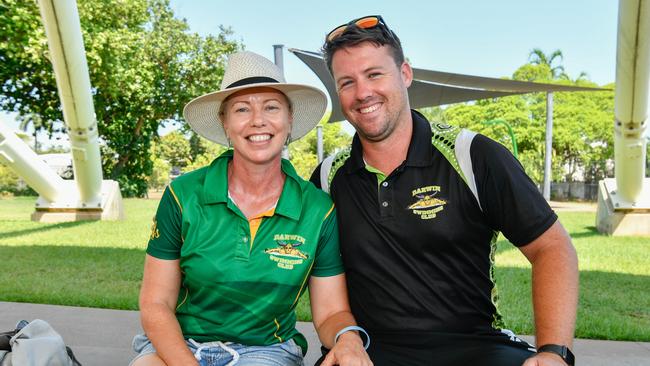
(562, 351)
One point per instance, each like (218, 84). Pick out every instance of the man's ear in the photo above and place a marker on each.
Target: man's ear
(407, 73)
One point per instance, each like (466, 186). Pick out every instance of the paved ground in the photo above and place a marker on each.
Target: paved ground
(573, 206)
(101, 337)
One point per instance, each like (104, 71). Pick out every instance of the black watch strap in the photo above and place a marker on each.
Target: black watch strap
(562, 351)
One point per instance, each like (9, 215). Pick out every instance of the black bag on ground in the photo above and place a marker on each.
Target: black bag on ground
(34, 343)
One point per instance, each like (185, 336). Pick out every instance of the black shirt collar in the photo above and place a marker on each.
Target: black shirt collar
(420, 147)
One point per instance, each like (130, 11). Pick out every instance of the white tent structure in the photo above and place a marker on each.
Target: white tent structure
(432, 88)
(623, 201)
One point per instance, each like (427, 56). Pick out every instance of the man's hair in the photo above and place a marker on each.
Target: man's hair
(379, 35)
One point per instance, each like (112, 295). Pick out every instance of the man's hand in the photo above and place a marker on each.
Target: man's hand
(348, 351)
(545, 359)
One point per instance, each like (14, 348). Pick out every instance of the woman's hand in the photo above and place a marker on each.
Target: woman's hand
(331, 313)
(348, 351)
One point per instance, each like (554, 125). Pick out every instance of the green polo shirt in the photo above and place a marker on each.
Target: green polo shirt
(234, 288)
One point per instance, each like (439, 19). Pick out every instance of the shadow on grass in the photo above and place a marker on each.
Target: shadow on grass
(71, 275)
(503, 245)
(611, 305)
(591, 231)
(42, 228)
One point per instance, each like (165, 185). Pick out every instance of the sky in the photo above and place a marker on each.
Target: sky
(484, 38)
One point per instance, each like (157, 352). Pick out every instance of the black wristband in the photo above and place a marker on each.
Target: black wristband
(562, 351)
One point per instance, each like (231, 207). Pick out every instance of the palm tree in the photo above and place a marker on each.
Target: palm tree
(583, 76)
(538, 57)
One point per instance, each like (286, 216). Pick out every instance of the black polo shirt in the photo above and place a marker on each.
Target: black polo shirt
(418, 249)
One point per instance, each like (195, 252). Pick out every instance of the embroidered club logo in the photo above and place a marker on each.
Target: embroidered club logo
(154, 230)
(286, 253)
(427, 205)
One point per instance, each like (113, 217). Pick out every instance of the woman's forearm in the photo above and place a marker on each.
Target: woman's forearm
(333, 324)
(162, 328)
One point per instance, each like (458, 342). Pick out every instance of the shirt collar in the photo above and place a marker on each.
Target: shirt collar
(420, 147)
(215, 186)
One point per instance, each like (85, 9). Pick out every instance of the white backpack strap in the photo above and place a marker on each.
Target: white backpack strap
(325, 169)
(462, 150)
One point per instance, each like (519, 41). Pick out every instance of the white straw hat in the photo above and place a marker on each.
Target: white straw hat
(247, 70)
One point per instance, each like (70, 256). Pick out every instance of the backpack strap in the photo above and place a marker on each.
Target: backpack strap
(454, 144)
(330, 166)
(462, 147)
(325, 168)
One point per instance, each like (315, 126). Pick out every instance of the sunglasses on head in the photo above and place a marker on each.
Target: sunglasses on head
(366, 22)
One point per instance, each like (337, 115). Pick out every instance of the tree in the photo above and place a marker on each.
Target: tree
(144, 66)
(433, 114)
(538, 57)
(174, 148)
(24, 121)
(582, 131)
(207, 152)
(304, 152)
(159, 177)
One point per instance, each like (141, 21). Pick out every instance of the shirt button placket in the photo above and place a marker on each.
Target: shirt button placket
(243, 247)
(385, 198)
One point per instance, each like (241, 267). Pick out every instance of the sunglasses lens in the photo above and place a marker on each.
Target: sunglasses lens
(363, 23)
(335, 33)
(367, 22)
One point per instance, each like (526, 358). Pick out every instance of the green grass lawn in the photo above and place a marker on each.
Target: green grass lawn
(99, 264)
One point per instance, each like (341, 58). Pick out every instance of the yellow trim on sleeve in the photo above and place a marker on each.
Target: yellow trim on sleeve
(171, 190)
(304, 281)
(329, 212)
(277, 325)
(187, 292)
(175, 198)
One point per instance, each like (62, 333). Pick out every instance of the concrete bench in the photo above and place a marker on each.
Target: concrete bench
(102, 337)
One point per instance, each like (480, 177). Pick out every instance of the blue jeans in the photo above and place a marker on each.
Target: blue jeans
(229, 354)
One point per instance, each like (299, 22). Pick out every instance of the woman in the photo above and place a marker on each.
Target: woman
(234, 244)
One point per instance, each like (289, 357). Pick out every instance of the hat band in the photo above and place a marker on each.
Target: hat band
(252, 80)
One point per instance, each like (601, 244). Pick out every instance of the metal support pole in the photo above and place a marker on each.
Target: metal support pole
(319, 143)
(546, 191)
(21, 159)
(632, 96)
(63, 30)
(278, 58)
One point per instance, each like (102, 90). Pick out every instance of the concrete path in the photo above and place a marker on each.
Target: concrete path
(101, 337)
(573, 206)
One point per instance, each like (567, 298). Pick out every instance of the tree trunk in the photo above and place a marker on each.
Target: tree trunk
(124, 157)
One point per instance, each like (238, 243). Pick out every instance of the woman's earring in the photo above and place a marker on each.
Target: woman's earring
(286, 143)
(229, 142)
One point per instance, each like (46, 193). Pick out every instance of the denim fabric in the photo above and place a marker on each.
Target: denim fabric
(280, 354)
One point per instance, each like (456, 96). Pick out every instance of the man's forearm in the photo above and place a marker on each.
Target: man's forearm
(555, 292)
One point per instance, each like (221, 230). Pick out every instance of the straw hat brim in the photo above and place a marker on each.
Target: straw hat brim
(308, 105)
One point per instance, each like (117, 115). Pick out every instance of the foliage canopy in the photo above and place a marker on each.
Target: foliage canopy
(144, 66)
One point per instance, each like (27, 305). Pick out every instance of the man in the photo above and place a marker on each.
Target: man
(418, 226)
